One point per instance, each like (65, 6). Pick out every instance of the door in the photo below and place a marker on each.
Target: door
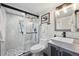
(54, 51)
(66, 54)
(28, 34)
(14, 38)
(31, 37)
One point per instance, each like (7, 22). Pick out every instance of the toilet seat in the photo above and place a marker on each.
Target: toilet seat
(37, 48)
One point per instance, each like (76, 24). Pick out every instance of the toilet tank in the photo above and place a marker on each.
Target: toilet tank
(43, 41)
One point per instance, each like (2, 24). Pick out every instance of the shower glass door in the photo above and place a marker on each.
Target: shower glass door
(14, 39)
(28, 34)
(31, 36)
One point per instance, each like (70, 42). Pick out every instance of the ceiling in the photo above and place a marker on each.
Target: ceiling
(35, 8)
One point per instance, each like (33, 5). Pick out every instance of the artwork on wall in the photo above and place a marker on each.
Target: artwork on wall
(45, 18)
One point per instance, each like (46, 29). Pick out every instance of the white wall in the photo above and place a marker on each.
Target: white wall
(12, 42)
(49, 31)
(14, 38)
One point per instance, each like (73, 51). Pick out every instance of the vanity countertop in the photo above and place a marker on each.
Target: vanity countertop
(71, 47)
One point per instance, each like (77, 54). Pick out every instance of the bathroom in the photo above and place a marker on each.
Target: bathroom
(39, 29)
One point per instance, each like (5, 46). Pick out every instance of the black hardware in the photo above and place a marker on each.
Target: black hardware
(76, 11)
(18, 9)
(54, 35)
(64, 34)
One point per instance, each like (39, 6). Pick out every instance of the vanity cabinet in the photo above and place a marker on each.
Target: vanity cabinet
(58, 51)
(53, 50)
(65, 52)
(45, 52)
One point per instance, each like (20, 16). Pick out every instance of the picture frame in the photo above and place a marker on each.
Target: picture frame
(45, 18)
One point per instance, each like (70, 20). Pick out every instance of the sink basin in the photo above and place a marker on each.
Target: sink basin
(62, 39)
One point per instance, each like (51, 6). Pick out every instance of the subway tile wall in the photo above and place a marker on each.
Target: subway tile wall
(49, 29)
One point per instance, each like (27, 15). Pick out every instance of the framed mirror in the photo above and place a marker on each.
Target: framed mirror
(63, 17)
(77, 19)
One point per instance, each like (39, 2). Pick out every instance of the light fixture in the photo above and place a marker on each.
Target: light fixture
(74, 6)
(57, 13)
(65, 10)
(30, 23)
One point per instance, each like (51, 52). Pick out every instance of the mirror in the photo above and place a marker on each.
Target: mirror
(63, 17)
(77, 20)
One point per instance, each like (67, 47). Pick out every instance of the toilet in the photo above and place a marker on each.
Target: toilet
(36, 49)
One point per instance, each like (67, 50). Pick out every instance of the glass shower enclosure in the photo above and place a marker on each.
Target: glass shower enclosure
(20, 33)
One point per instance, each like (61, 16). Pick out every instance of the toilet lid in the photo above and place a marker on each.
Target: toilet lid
(36, 47)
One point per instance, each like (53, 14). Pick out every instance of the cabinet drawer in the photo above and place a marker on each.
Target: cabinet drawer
(66, 52)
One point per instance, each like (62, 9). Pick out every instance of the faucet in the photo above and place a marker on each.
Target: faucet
(64, 34)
